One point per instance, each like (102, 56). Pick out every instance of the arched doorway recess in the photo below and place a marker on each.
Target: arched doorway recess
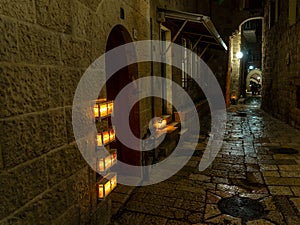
(117, 37)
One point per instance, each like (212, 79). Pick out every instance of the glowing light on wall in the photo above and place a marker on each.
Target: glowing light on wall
(239, 55)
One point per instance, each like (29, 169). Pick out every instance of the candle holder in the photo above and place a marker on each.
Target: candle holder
(105, 137)
(106, 160)
(106, 185)
(103, 109)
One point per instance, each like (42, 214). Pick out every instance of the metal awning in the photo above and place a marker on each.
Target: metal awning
(198, 26)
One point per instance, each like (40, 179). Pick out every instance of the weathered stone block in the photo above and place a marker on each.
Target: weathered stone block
(38, 46)
(55, 14)
(21, 185)
(34, 213)
(23, 90)
(53, 129)
(18, 147)
(56, 86)
(8, 40)
(70, 134)
(71, 80)
(102, 214)
(71, 216)
(57, 200)
(63, 163)
(78, 186)
(83, 21)
(19, 9)
(92, 4)
(75, 52)
(27, 137)
(82, 191)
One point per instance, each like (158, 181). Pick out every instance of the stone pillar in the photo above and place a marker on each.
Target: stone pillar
(235, 76)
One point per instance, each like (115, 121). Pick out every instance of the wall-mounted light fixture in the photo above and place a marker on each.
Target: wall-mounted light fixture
(239, 55)
(105, 137)
(106, 185)
(103, 109)
(106, 160)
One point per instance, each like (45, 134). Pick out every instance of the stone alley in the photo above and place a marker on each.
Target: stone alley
(100, 97)
(250, 166)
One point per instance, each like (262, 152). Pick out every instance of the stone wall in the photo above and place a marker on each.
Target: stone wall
(45, 48)
(235, 82)
(281, 66)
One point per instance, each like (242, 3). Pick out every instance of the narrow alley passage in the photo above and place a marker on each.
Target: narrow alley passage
(252, 181)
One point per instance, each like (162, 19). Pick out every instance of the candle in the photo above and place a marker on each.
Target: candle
(96, 111)
(99, 140)
(105, 137)
(109, 107)
(103, 110)
(112, 135)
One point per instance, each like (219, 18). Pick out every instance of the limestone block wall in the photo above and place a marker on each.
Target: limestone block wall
(45, 48)
(281, 66)
(235, 81)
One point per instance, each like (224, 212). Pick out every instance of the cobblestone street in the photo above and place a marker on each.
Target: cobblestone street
(249, 167)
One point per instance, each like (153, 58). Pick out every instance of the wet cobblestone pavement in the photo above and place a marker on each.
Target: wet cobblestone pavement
(245, 168)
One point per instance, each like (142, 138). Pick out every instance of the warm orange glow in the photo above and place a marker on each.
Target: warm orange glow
(110, 107)
(106, 185)
(105, 137)
(99, 139)
(108, 162)
(105, 162)
(101, 191)
(96, 111)
(103, 110)
(160, 124)
(114, 156)
(112, 135)
(107, 188)
(101, 165)
(113, 182)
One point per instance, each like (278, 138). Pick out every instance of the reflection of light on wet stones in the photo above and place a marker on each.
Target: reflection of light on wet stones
(284, 151)
(245, 208)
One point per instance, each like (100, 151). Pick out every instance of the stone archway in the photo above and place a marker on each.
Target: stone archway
(254, 76)
(236, 77)
(117, 37)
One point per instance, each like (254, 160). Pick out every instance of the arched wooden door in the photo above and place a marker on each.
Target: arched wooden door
(120, 36)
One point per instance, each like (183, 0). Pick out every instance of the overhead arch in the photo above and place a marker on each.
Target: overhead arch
(256, 76)
(249, 19)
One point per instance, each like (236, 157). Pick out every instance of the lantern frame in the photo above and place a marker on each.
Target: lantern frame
(103, 109)
(106, 185)
(106, 160)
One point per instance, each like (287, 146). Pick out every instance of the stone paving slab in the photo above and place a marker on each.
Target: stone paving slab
(245, 167)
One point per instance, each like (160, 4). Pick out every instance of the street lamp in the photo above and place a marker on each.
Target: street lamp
(239, 55)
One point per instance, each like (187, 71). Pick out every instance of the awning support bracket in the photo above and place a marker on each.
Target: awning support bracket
(177, 34)
(196, 43)
(204, 50)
